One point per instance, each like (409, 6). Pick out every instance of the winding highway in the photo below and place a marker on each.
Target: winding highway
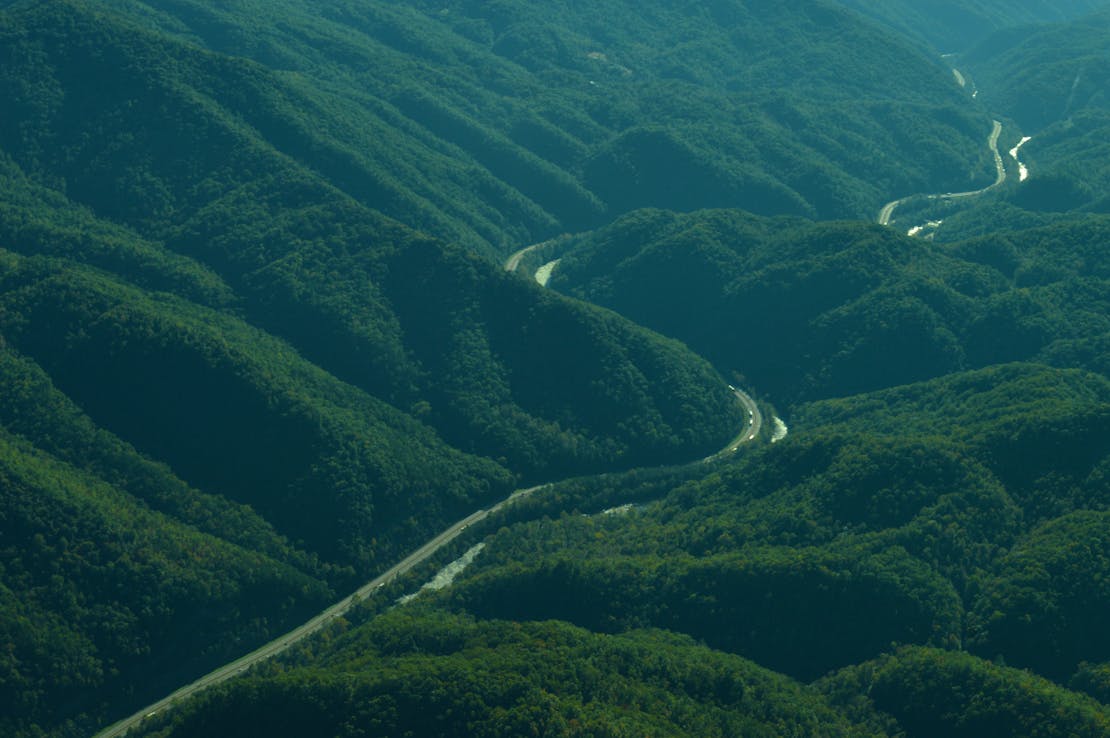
(992, 142)
(753, 425)
(750, 431)
(755, 418)
(283, 642)
(513, 262)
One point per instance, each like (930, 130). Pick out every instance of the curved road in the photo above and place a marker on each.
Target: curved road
(276, 646)
(755, 418)
(992, 141)
(513, 262)
(750, 431)
(281, 643)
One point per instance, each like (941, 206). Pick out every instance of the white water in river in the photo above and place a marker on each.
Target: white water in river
(543, 274)
(447, 574)
(927, 229)
(1023, 171)
(780, 430)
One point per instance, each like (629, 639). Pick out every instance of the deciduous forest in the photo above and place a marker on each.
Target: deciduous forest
(762, 350)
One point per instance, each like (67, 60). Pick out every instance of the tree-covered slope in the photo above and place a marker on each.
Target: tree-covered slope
(885, 549)
(118, 578)
(273, 387)
(1043, 431)
(808, 310)
(963, 512)
(1045, 603)
(1043, 74)
(255, 346)
(930, 692)
(436, 674)
(952, 26)
(823, 549)
(235, 411)
(1053, 81)
(164, 151)
(179, 487)
(502, 124)
(103, 600)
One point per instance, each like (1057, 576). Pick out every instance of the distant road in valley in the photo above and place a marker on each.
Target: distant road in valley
(755, 418)
(992, 141)
(750, 431)
(283, 642)
(513, 262)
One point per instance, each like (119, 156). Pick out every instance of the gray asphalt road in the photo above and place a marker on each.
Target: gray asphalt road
(749, 433)
(513, 262)
(992, 142)
(287, 640)
(283, 642)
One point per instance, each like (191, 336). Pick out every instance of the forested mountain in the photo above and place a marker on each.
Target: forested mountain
(101, 376)
(964, 517)
(257, 344)
(500, 124)
(398, 315)
(1054, 80)
(1051, 80)
(208, 341)
(439, 674)
(1043, 74)
(954, 25)
(807, 310)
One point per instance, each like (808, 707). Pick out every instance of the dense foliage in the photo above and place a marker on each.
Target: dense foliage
(931, 692)
(1044, 74)
(1053, 81)
(500, 124)
(434, 674)
(806, 310)
(415, 322)
(955, 25)
(906, 516)
(256, 344)
(229, 346)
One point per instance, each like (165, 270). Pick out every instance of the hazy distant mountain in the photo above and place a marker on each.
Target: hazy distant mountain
(1045, 74)
(1054, 80)
(954, 25)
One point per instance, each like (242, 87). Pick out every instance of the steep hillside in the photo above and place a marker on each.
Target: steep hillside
(256, 345)
(436, 674)
(164, 153)
(1044, 74)
(232, 390)
(1053, 80)
(867, 551)
(807, 310)
(499, 125)
(178, 486)
(955, 25)
(930, 692)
